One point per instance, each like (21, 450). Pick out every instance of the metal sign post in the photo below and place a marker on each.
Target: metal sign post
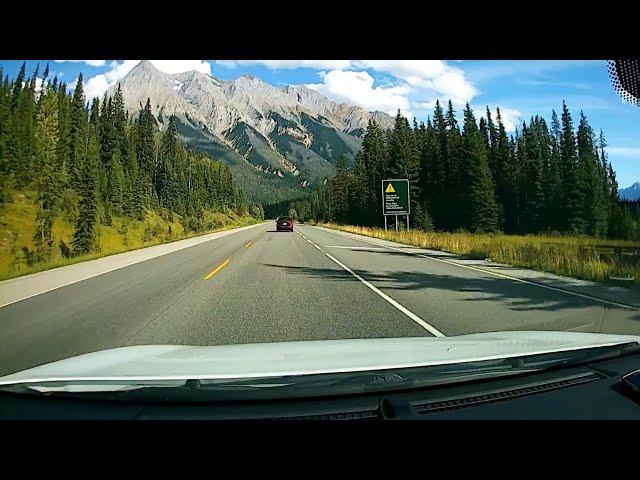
(396, 223)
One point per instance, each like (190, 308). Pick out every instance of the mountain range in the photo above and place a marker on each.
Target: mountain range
(278, 141)
(630, 193)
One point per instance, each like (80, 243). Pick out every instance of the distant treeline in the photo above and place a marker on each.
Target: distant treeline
(92, 163)
(544, 178)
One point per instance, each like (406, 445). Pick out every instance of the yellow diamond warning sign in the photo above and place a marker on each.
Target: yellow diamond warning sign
(390, 189)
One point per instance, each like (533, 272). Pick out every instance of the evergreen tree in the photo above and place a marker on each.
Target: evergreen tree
(107, 132)
(116, 184)
(84, 239)
(455, 188)
(572, 199)
(506, 179)
(531, 194)
(479, 211)
(484, 134)
(5, 115)
(77, 134)
(119, 117)
(552, 178)
(438, 152)
(164, 179)
(590, 181)
(131, 174)
(48, 173)
(492, 144)
(375, 158)
(145, 152)
(21, 141)
(339, 208)
(360, 194)
(64, 127)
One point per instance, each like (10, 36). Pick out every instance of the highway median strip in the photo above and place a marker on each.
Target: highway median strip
(217, 269)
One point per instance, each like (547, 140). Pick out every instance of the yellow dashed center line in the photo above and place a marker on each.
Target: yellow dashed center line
(248, 244)
(217, 269)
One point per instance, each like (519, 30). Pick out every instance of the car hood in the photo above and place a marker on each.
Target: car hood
(169, 362)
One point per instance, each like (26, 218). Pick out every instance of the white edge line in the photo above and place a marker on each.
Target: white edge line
(496, 274)
(355, 248)
(118, 267)
(404, 310)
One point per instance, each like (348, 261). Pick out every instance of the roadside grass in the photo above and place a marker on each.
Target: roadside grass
(17, 228)
(585, 258)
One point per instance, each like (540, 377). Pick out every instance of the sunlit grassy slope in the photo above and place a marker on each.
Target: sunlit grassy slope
(17, 228)
(579, 257)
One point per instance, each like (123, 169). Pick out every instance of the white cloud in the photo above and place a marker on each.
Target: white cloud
(430, 105)
(510, 118)
(357, 88)
(98, 84)
(415, 72)
(627, 152)
(492, 69)
(428, 79)
(38, 86)
(179, 66)
(91, 63)
(290, 64)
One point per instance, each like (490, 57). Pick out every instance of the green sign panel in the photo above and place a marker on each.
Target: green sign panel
(395, 197)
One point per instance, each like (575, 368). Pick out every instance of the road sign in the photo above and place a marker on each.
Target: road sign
(395, 197)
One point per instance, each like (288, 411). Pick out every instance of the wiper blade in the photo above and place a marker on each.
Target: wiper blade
(87, 386)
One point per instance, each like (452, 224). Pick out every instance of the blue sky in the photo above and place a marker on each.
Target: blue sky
(520, 88)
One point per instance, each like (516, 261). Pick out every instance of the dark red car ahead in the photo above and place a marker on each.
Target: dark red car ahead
(284, 224)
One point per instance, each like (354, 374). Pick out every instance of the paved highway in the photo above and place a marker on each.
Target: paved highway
(258, 285)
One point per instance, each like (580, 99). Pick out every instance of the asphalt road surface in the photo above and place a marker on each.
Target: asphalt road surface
(259, 285)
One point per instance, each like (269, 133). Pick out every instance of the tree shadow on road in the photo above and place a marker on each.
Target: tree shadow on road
(511, 294)
(397, 253)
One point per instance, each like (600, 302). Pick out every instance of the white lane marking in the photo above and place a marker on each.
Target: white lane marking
(316, 246)
(434, 331)
(496, 274)
(356, 248)
(118, 267)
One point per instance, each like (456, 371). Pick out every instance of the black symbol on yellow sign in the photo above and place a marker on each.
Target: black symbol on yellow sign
(390, 189)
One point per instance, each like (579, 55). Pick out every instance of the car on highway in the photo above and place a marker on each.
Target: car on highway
(284, 224)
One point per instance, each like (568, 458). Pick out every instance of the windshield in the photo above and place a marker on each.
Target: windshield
(230, 221)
